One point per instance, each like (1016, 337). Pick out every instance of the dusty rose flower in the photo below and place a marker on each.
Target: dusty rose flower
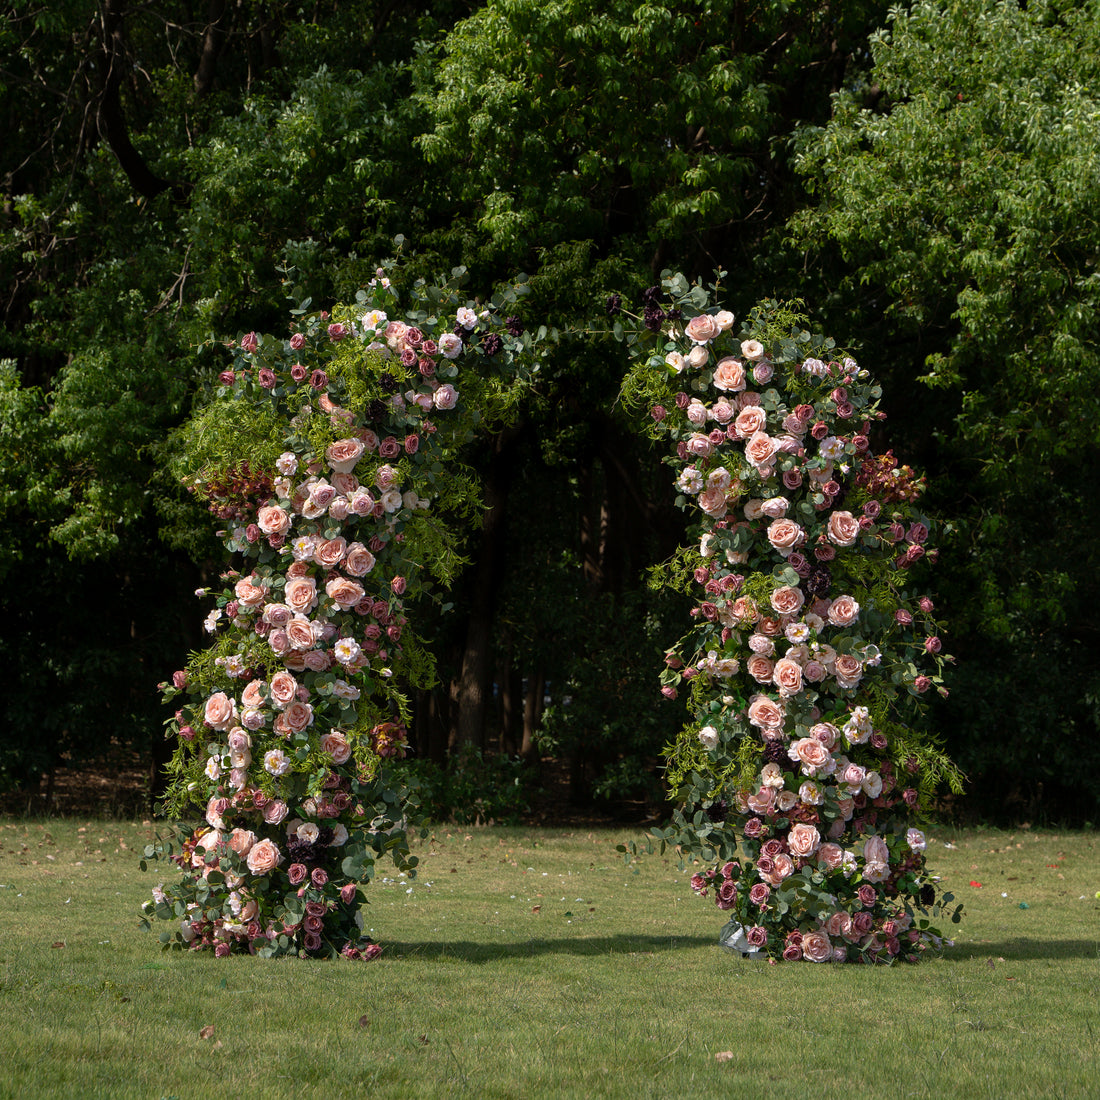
(297, 873)
(830, 856)
(336, 745)
(328, 553)
(283, 688)
(263, 857)
(760, 893)
(319, 877)
(849, 670)
(867, 894)
(760, 668)
(839, 924)
(242, 841)
(274, 812)
(811, 754)
(343, 592)
(760, 449)
(300, 594)
(765, 713)
(787, 600)
(757, 935)
(343, 455)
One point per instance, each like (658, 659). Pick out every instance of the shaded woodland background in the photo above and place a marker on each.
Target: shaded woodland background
(925, 177)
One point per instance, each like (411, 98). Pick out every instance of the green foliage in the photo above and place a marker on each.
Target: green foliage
(475, 788)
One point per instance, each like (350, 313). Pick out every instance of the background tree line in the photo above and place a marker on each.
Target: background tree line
(924, 177)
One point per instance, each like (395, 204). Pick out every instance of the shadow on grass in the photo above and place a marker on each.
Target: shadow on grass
(1024, 949)
(466, 951)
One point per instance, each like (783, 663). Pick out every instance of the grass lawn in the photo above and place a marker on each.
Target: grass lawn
(531, 963)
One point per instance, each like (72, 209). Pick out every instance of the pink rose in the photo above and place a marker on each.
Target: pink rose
(811, 754)
(729, 375)
(344, 593)
(297, 873)
(842, 529)
(853, 775)
(283, 688)
(803, 840)
(220, 711)
(263, 857)
(300, 633)
(862, 922)
(319, 877)
(849, 671)
(273, 520)
(252, 696)
(446, 397)
(783, 867)
(843, 611)
(830, 856)
(760, 668)
(336, 745)
(274, 812)
(298, 716)
(702, 329)
(816, 946)
(868, 895)
(839, 924)
(787, 676)
(328, 553)
(242, 841)
(760, 893)
(785, 535)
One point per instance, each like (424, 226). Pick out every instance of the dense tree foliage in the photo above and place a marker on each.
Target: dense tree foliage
(961, 186)
(171, 171)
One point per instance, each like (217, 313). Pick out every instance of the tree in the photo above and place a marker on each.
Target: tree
(959, 185)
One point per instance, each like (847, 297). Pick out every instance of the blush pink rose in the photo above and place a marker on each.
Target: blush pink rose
(843, 611)
(336, 745)
(702, 329)
(842, 529)
(300, 633)
(760, 449)
(298, 716)
(272, 520)
(729, 375)
(274, 812)
(241, 841)
(328, 553)
(830, 856)
(785, 535)
(750, 421)
(787, 676)
(765, 713)
(817, 947)
(803, 840)
(220, 712)
(787, 600)
(760, 668)
(263, 857)
(343, 592)
(811, 754)
(252, 696)
(300, 594)
(358, 561)
(446, 397)
(849, 671)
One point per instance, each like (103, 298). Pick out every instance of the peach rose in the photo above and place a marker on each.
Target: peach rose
(765, 713)
(811, 754)
(220, 712)
(785, 535)
(336, 745)
(253, 696)
(760, 668)
(782, 867)
(345, 593)
(843, 611)
(241, 841)
(787, 600)
(803, 840)
(249, 594)
(744, 610)
(328, 553)
(298, 716)
(849, 671)
(358, 561)
(760, 449)
(283, 688)
(842, 529)
(787, 676)
(272, 520)
(750, 421)
(300, 633)
(300, 594)
(830, 856)
(729, 375)
(344, 454)
(263, 857)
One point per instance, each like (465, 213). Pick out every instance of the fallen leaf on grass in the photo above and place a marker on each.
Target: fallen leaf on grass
(724, 1056)
(364, 1021)
(58, 943)
(207, 1032)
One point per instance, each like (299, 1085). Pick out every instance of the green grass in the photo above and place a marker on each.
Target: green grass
(530, 963)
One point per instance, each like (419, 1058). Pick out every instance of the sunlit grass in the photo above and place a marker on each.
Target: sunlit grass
(532, 962)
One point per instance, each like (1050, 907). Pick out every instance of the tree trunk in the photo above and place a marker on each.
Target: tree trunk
(473, 687)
